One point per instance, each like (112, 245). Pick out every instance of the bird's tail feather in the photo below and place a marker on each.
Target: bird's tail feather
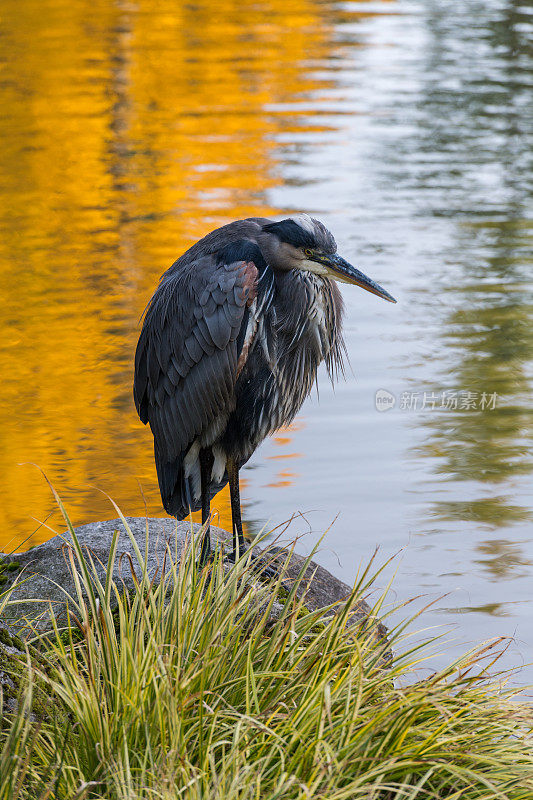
(177, 489)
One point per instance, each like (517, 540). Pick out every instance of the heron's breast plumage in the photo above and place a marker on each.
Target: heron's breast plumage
(309, 316)
(299, 331)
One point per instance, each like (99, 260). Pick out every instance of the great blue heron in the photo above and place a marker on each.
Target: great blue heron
(229, 350)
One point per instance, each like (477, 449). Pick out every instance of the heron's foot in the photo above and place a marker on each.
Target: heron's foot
(266, 570)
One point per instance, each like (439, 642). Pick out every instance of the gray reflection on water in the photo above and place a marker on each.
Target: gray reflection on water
(427, 180)
(475, 110)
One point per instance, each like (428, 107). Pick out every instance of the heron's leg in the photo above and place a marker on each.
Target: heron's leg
(235, 499)
(239, 545)
(206, 465)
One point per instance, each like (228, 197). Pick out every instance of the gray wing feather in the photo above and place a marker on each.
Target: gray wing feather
(187, 353)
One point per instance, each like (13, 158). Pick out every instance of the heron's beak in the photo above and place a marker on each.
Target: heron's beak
(342, 271)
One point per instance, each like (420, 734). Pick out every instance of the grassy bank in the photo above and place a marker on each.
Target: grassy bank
(189, 689)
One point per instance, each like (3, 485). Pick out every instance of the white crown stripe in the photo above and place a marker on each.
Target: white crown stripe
(305, 222)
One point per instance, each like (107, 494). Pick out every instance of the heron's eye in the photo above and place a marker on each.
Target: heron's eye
(308, 252)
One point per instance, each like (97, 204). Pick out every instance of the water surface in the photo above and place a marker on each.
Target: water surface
(131, 129)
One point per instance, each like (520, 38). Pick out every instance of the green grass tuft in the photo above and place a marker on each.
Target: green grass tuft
(188, 690)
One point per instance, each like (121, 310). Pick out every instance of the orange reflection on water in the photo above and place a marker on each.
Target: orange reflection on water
(284, 479)
(130, 132)
(284, 456)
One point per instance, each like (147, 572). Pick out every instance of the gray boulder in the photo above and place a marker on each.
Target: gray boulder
(12, 656)
(43, 574)
(15, 657)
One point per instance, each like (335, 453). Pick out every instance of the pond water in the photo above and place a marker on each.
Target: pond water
(130, 129)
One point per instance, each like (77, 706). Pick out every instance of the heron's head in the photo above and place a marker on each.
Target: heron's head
(304, 243)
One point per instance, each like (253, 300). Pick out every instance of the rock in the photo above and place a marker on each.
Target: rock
(14, 657)
(11, 656)
(322, 589)
(45, 575)
(44, 572)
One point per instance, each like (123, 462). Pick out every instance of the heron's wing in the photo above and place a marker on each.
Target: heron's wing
(187, 357)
